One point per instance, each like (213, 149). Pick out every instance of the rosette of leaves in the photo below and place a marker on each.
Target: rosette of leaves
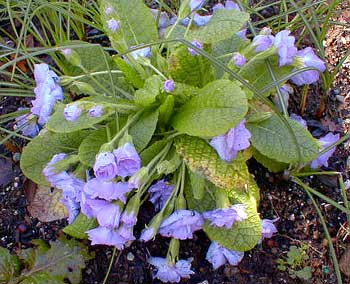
(180, 123)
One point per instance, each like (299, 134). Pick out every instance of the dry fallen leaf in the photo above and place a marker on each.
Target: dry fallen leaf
(344, 262)
(46, 204)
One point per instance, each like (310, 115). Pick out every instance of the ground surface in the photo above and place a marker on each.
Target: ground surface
(298, 224)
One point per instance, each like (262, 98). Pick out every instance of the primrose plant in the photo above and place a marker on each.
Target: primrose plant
(172, 118)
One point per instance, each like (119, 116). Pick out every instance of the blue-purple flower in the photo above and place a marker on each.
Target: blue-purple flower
(126, 233)
(168, 272)
(285, 46)
(105, 167)
(299, 119)
(197, 44)
(72, 112)
(229, 5)
(262, 42)
(164, 20)
(285, 90)
(106, 236)
(55, 178)
(181, 224)
(228, 145)
(47, 92)
(73, 208)
(226, 217)
(147, 234)
(160, 193)
(128, 161)
(113, 24)
(169, 86)
(109, 216)
(201, 21)
(196, 4)
(218, 255)
(27, 124)
(308, 59)
(96, 111)
(91, 207)
(129, 218)
(109, 10)
(239, 59)
(325, 141)
(268, 228)
(108, 190)
(143, 52)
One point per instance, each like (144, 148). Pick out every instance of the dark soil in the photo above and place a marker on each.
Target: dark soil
(280, 197)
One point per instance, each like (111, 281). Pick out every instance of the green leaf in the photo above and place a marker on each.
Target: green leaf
(270, 164)
(206, 203)
(137, 24)
(143, 130)
(42, 148)
(186, 68)
(9, 266)
(64, 259)
(43, 278)
(80, 225)
(258, 74)
(91, 145)
(130, 73)
(166, 109)
(273, 139)
(222, 25)
(243, 235)
(58, 122)
(94, 59)
(223, 51)
(202, 159)
(147, 95)
(150, 152)
(197, 185)
(305, 273)
(220, 106)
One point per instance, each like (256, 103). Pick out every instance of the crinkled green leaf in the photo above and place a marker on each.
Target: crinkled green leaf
(202, 159)
(220, 106)
(274, 140)
(137, 24)
(80, 225)
(143, 130)
(9, 266)
(222, 25)
(147, 95)
(243, 235)
(258, 74)
(186, 68)
(197, 185)
(42, 148)
(58, 122)
(64, 259)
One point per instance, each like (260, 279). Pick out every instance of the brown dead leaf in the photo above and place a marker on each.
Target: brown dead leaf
(344, 263)
(46, 204)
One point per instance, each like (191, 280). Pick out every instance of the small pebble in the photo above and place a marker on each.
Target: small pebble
(130, 256)
(292, 217)
(340, 98)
